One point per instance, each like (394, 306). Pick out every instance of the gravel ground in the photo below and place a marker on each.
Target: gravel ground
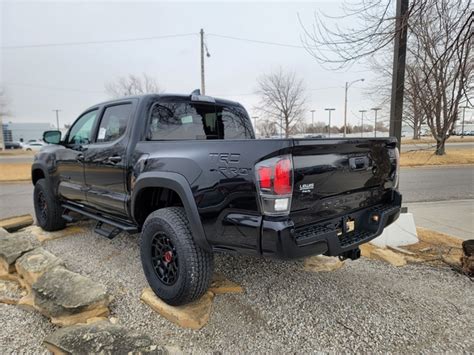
(366, 306)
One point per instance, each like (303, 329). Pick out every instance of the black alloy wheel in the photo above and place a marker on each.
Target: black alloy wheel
(164, 258)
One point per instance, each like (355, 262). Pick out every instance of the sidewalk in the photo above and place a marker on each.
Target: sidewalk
(451, 217)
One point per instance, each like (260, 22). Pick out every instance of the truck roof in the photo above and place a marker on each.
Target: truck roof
(168, 95)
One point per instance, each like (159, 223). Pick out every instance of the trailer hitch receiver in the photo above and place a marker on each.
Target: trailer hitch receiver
(352, 254)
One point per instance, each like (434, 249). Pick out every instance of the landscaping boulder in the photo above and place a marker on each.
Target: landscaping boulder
(194, 315)
(69, 298)
(372, 252)
(12, 224)
(44, 236)
(10, 292)
(101, 337)
(12, 246)
(321, 263)
(35, 263)
(220, 285)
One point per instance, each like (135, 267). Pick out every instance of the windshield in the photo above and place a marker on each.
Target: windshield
(187, 120)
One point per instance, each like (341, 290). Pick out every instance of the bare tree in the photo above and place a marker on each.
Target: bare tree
(282, 99)
(132, 85)
(439, 44)
(267, 128)
(381, 90)
(317, 127)
(445, 72)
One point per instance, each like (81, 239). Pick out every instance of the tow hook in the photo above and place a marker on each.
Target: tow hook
(352, 254)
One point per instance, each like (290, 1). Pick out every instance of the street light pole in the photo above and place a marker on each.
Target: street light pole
(203, 84)
(362, 123)
(329, 111)
(348, 85)
(57, 117)
(255, 122)
(312, 118)
(375, 109)
(463, 115)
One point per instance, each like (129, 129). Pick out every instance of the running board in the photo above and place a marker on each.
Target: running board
(101, 220)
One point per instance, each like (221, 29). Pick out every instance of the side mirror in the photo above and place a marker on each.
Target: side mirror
(52, 137)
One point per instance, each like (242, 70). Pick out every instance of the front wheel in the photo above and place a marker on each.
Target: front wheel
(177, 269)
(47, 208)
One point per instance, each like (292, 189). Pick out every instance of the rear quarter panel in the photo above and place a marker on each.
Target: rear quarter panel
(222, 179)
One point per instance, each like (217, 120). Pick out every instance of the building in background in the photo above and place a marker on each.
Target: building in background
(24, 132)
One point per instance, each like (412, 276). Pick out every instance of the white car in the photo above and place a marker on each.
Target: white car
(34, 146)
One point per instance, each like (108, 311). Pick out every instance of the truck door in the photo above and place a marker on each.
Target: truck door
(105, 160)
(69, 161)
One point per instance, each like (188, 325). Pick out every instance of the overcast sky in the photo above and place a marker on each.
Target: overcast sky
(72, 77)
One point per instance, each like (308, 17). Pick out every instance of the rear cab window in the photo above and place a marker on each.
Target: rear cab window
(195, 121)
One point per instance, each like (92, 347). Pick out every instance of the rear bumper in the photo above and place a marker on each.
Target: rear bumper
(280, 239)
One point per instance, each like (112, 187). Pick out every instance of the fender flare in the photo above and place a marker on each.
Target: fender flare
(39, 166)
(180, 185)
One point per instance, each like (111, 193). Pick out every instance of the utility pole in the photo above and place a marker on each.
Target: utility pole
(203, 84)
(375, 109)
(362, 122)
(463, 115)
(2, 143)
(312, 117)
(57, 118)
(255, 122)
(348, 85)
(398, 73)
(329, 127)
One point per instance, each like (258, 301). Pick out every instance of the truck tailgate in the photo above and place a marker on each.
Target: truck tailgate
(333, 177)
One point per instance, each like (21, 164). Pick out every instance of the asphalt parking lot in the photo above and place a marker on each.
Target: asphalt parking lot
(366, 306)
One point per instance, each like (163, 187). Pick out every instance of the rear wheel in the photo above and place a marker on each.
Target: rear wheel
(47, 208)
(177, 269)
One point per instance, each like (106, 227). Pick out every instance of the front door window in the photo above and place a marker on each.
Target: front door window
(81, 131)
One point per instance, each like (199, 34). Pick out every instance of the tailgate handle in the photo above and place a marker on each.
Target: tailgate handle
(359, 163)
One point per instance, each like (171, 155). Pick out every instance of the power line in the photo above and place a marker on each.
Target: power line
(55, 88)
(255, 93)
(80, 43)
(257, 41)
(62, 44)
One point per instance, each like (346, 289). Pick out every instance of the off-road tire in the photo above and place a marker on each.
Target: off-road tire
(50, 219)
(194, 265)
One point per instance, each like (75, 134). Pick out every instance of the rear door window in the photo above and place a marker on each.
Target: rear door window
(114, 122)
(183, 120)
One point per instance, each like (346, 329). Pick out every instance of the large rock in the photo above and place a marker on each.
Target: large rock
(101, 337)
(194, 315)
(321, 263)
(12, 224)
(10, 292)
(69, 298)
(44, 236)
(372, 252)
(12, 246)
(32, 265)
(220, 285)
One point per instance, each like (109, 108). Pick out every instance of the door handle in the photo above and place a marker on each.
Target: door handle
(115, 159)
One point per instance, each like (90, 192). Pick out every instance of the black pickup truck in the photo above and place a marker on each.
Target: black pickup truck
(187, 172)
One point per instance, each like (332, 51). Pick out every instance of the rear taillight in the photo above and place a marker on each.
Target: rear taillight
(397, 170)
(275, 184)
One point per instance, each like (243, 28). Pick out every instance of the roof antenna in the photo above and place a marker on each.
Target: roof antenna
(196, 92)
